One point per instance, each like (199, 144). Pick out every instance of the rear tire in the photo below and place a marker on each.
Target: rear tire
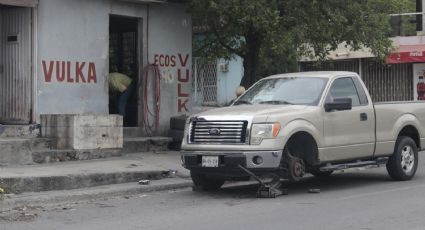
(205, 183)
(403, 164)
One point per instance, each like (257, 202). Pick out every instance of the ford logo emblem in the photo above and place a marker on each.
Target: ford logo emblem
(214, 131)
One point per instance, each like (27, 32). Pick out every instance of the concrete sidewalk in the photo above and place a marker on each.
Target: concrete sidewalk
(74, 179)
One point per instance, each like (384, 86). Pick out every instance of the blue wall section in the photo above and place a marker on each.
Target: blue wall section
(229, 81)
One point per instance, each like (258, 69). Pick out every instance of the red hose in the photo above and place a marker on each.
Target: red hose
(151, 127)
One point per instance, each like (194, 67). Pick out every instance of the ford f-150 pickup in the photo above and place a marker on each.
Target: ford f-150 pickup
(297, 123)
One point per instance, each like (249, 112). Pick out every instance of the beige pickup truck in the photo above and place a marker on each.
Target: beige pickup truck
(297, 123)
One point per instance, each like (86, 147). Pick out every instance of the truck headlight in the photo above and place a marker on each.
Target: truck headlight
(264, 131)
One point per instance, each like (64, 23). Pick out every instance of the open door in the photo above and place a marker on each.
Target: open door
(124, 58)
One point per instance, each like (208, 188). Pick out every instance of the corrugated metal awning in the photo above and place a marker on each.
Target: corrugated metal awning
(27, 3)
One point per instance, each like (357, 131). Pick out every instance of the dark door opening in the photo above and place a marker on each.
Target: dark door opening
(123, 58)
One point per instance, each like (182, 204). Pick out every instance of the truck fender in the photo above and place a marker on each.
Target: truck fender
(301, 125)
(406, 120)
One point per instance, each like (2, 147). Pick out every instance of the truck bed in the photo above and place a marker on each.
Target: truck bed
(390, 116)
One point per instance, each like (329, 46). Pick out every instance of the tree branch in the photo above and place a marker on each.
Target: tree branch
(221, 41)
(200, 49)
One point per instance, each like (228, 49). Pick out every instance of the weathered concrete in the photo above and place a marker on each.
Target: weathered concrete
(24, 151)
(13, 201)
(133, 132)
(146, 144)
(18, 150)
(24, 131)
(73, 175)
(51, 156)
(83, 131)
(141, 145)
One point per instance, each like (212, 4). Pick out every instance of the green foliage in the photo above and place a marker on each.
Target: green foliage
(275, 33)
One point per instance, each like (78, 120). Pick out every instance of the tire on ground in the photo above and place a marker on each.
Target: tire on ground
(177, 135)
(200, 180)
(403, 164)
(178, 122)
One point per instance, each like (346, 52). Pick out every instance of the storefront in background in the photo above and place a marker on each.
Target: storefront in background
(384, 82)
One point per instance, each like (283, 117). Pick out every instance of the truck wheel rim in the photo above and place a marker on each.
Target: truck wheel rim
(407, 159)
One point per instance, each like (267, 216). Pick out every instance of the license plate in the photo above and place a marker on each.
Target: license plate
(210, 161)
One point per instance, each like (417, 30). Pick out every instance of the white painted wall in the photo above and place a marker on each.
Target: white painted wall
(227, 82)
(78, 31)
(170, 35)
(73, 31)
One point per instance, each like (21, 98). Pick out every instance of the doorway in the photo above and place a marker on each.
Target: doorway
(124, 59)
(15, 65)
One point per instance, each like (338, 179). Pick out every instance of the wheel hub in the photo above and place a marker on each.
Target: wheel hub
(297, 169)
(407, 159)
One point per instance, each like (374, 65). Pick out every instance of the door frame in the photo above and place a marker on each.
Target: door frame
(34, 66)
(141, 60)
(32, 116)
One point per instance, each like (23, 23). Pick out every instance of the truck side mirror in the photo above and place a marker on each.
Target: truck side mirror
(338, 104)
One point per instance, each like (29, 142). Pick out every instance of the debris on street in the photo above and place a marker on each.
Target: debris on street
(144, 182)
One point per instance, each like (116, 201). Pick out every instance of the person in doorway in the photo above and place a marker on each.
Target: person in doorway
(121, 85)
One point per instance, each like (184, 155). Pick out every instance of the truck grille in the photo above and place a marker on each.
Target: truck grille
(218, 132)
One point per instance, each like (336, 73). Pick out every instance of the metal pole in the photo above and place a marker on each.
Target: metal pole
(360, 68)
(196, 79)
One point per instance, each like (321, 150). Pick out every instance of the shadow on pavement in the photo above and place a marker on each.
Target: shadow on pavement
(335, 182)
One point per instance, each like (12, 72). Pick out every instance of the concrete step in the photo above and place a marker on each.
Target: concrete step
(133, 132)
(83, 174)
(145, 144)
(131, 145)
(24, 151)
(23, 131)
(56, 155)
(32, 144)
(19, 150)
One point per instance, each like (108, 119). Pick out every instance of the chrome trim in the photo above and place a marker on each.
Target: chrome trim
(229, 126)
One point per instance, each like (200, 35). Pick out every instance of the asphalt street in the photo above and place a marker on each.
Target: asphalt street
(359, 199)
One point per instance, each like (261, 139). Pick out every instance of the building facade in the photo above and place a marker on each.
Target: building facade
(397, 78)
(55, 56)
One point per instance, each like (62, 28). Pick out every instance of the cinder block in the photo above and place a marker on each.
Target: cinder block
(84, 132)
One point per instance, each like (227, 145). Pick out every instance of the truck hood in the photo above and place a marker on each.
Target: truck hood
(255, 111)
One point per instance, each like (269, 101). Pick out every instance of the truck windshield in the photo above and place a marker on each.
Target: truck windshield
(280, 91)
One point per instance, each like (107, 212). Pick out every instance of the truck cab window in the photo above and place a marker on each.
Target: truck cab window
(344, 88)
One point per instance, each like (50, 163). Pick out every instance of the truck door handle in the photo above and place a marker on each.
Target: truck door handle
(363, 117)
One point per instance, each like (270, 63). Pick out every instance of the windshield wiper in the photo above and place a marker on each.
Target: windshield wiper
(240, 102)
(276, 102)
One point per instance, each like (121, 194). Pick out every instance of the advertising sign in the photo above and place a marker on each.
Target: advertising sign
(419, 82)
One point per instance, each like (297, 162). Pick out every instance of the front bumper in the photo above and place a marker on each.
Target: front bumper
(229, 160)
(228, 163)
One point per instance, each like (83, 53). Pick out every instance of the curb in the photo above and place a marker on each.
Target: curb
(76, 181)
(86, 194)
